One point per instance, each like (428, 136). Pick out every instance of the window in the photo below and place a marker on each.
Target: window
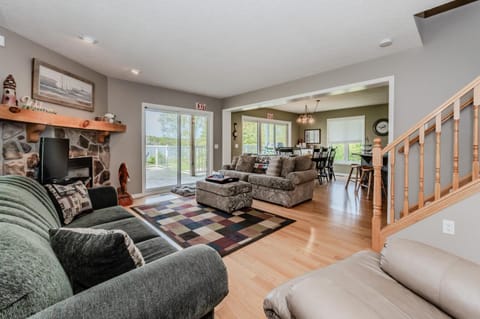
(347, 135)
(262, 136)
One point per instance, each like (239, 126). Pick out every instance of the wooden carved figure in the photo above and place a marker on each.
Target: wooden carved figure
(9, 91)
(124, 198)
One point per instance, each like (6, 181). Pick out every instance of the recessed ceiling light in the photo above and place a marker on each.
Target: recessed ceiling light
(89, 39)
(385, 43)
(135, 71)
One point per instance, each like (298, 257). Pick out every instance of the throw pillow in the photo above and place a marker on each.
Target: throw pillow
(303, 163)
(91, 256)
(70, 200)
(288, 166)
(274, 166)
(246, 163)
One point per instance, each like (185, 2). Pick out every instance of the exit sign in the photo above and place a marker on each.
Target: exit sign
(201, 106)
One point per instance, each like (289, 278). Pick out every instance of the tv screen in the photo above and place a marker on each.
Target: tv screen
(53, 159)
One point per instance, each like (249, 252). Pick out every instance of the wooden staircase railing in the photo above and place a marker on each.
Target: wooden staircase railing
(409, 214)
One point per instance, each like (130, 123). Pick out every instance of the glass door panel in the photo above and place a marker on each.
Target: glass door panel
(176, 148)
(200, 129)
(281, 135)
(161, 156)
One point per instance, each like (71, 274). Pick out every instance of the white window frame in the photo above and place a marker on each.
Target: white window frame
(261, 120)
(346, 143)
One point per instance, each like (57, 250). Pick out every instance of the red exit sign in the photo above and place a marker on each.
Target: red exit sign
(201, 106)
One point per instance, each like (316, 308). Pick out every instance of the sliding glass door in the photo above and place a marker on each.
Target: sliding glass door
(176, 147)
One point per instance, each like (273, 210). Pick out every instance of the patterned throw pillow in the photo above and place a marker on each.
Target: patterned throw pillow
(91, 256)
(288, 166)
(274, 166)
(246, 163)
(71, 200)
(234, 162)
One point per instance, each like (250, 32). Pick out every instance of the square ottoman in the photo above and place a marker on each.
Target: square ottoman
(228, 197)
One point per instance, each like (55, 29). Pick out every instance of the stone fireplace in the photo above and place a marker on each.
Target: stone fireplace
(20, 157)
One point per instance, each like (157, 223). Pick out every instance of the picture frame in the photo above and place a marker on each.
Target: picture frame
(54, 85)
(312, 136)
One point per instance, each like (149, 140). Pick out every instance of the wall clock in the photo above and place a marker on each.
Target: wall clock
(380, 127)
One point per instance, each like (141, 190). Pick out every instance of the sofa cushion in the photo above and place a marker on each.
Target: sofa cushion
(134, 227)
(100, 216)
(303, 163)
(245, 163)
(301, 177)
(271, 182)
(31, 277)
(71, 200)
(91, 256)
(274, 166)
(234, 161)
(288, 166)
(448, 281)
(353, 288)
(155, 248)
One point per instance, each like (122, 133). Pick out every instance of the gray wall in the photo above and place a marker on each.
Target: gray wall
(425, 77)
(125, 100)
(467, 223)
(16, 59)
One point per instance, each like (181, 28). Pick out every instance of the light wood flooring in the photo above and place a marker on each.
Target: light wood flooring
(334, 225)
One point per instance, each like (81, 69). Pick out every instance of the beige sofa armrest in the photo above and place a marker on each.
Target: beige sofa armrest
(301, 177)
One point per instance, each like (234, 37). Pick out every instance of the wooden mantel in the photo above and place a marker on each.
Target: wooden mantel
(37, 121)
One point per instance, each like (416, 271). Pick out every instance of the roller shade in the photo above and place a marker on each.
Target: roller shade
(346, 130)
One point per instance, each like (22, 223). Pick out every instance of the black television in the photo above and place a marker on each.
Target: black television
(53, 160)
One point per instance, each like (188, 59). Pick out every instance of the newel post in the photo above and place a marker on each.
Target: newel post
(377, 241)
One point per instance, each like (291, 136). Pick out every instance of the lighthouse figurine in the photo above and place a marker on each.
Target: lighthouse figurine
(9, 95)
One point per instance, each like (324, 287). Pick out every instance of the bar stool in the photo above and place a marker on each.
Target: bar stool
(366, 178)
(356, 178)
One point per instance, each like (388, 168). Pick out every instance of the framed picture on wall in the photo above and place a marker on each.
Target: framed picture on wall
(312, 136)
(53, 85)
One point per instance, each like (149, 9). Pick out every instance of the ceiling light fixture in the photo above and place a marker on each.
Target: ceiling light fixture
(135, 71)
(307, 118)
(385, 43)
(89, 39)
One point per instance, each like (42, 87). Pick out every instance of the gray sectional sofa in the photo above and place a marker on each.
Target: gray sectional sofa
(292, 187)
(173, 284)
(407, 280)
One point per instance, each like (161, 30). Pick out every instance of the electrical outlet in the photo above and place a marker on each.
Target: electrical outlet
(215, 146)
(448, 227)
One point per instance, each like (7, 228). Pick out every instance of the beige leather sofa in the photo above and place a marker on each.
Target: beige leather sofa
(408, 280)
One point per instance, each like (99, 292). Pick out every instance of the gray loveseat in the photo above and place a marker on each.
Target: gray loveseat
(407, 280)
(292, 187)
(173, 284)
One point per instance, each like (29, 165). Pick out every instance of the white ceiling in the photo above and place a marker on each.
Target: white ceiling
(218, 48)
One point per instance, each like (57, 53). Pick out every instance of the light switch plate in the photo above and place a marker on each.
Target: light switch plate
(2, 41)
(448, 227)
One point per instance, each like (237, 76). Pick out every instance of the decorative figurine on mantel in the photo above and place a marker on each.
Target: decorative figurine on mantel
(9, 91)
(124, 198)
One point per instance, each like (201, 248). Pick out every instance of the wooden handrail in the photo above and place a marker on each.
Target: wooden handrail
(431, 128)
(433, 114)
(427, 205)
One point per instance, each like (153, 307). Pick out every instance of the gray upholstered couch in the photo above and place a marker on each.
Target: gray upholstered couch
(407, 280)
(291, 188)
(173, 284)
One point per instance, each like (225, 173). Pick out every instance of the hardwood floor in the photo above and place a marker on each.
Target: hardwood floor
(334, 225)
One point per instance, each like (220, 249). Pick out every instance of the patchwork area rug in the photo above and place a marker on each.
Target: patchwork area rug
(188, 223)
